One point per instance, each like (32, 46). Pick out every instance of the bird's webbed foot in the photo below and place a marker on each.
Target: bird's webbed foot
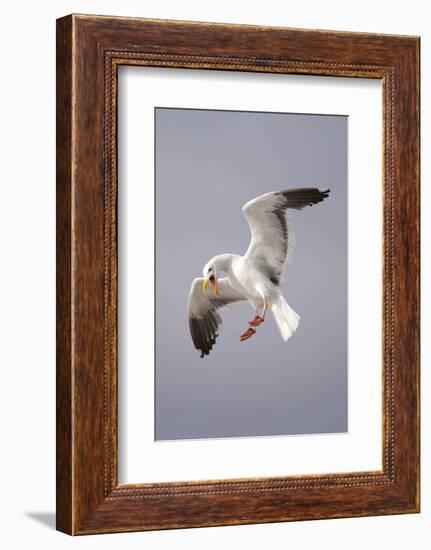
(258, 320)
(247, 334)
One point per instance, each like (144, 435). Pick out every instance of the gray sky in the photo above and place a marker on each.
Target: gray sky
(208, 165)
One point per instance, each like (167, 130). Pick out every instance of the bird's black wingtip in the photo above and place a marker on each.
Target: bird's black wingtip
(209, 347)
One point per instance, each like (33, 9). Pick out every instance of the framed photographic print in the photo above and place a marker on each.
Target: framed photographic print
(237, 274)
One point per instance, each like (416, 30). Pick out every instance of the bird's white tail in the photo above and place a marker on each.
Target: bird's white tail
(287, 320)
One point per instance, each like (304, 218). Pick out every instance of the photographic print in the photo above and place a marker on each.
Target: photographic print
(251, 282)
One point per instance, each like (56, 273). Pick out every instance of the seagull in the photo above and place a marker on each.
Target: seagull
(254, 277)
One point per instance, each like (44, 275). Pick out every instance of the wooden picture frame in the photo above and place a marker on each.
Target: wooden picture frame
(89, 51)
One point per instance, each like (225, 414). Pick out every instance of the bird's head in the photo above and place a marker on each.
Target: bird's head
(210, 276)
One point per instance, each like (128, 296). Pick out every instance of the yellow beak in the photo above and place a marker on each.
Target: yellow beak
(214, 284)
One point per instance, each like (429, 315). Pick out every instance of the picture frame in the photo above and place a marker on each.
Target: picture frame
(89, 51)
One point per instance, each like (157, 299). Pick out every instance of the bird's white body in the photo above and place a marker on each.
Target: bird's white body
(249, 281)
(255, 276)
(246, 278)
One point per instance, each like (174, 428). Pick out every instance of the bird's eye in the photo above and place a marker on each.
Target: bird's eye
(210, 269)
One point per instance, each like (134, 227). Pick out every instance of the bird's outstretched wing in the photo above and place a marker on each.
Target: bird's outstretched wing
(266, 216)
(204, 320)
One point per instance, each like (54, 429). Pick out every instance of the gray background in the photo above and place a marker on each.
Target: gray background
(208, 165)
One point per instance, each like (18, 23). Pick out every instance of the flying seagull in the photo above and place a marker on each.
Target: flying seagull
(254, 277)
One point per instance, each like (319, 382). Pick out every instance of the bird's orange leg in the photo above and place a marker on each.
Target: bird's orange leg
(247, 334)
(258, 320)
